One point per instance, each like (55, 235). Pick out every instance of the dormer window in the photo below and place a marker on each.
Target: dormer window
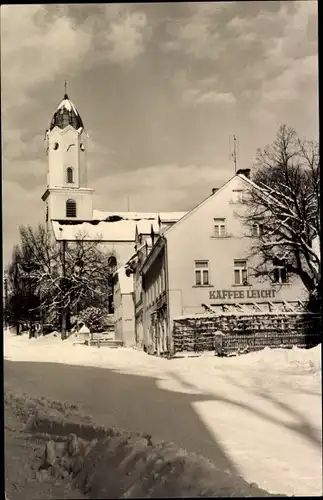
(70, 208)
(69, 175)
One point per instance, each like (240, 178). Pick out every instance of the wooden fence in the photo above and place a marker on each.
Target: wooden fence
(230, 333)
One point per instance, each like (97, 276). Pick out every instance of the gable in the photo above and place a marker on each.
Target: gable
(216, 205)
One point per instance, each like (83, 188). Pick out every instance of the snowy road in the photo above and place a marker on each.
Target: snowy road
(258, 415)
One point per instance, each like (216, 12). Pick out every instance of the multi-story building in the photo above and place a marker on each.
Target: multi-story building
(204, 261)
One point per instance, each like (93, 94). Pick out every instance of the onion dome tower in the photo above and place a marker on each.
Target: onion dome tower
(66, 114)
(67, 195)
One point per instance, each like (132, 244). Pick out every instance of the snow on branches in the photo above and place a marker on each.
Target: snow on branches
(285, 200)
(65, 275)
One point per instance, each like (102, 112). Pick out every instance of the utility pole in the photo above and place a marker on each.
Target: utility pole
(64, 310)
(128, 203)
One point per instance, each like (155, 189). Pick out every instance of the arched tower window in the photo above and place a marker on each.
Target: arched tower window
(69, 175)
(70, 208)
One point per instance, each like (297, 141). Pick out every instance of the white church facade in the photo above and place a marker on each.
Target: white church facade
(68, 200)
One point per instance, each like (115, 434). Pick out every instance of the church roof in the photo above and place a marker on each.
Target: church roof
(164, 216)
(113, 226)
(66, 114)
(120, 230)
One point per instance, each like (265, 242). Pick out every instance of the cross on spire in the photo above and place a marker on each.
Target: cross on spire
(65, 87)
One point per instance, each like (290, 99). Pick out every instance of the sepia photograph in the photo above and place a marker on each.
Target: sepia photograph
(162, 323)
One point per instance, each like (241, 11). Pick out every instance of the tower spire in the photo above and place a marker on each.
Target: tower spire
(65, 87)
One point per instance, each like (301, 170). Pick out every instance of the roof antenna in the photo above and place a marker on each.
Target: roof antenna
(65, 87)
(234, 153)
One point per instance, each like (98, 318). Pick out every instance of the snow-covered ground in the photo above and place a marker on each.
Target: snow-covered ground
(264, 408)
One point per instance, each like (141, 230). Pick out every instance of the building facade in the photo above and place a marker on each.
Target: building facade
(68, 200)
(123, 308)
(203, 262)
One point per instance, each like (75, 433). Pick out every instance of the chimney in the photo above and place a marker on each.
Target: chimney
(245, 172)
(214, 190)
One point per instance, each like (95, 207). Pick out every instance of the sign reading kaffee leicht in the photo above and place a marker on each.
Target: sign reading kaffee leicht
(241, 294)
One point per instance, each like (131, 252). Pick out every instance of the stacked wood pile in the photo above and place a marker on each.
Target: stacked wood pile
(230, 333)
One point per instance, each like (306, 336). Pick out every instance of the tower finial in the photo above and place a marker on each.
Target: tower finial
(65, 87)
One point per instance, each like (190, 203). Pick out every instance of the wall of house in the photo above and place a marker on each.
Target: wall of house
(124, 316)
(117, 299)
(128, 321)
(155, 306)
(193, 239)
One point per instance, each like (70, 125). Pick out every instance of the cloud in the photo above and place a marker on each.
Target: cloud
(196, 96)
(34, 51)
(200, 91)
(161, 187)
(197, 36)
(125, 38)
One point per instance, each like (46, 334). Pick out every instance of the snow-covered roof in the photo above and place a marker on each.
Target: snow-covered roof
(125, 282)
(66, 114)
(164, 216)
(118, 230)
(113, 226)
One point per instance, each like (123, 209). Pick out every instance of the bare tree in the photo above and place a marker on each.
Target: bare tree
(284, 206)
(67, 276)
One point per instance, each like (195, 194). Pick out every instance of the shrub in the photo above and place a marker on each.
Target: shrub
(94, 319)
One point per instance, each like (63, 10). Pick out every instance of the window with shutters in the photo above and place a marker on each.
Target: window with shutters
(70, 208)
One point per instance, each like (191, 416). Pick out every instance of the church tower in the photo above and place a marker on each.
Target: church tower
(67, 196)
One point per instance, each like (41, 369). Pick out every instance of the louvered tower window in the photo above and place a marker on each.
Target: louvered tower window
(70, 208)
(69, 175)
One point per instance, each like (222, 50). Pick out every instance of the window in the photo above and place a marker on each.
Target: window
(280, 274)
(219, 228)
(70, 208)
(240, 272)
(201, 272)
(69, 175)
(257, 230)
(46, 212)
(237, 196)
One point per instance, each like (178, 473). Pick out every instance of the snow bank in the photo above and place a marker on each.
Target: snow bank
(308, 360)
(111, 463)
(263, 408)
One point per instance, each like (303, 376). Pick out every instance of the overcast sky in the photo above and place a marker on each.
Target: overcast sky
(160, 88)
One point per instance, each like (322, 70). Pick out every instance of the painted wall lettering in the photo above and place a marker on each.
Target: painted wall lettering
(241, 294)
